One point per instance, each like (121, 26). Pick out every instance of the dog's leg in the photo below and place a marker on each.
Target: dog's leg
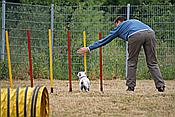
(82, 87)
(86, 89)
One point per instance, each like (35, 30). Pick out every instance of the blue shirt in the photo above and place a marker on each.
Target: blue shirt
(123, 30)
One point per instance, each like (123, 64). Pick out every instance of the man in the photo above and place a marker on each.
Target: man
(137, 34)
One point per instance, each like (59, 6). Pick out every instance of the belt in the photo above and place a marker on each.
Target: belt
(138, 31)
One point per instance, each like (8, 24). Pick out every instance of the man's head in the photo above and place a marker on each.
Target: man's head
(118, 20)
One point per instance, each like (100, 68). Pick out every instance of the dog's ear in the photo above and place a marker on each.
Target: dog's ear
(76, 73)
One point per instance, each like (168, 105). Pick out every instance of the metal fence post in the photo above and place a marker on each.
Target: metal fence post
(126, 67)
(3, 30)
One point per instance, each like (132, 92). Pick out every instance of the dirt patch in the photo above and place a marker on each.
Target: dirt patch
(115, 101)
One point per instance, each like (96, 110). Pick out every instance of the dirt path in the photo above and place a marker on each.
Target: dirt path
(115, 101)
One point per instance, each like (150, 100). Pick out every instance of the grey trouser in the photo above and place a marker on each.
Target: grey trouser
(135, 42)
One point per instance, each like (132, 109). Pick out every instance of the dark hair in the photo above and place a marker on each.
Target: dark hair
(120, 18)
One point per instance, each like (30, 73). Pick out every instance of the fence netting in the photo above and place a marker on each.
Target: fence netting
(76, 19)
(92, 20)
(19, 19)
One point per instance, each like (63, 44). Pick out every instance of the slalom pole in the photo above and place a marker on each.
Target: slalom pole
(0, 98)
(30, 57)
(20, 49)
(84, 40)
(51, 67)
(69, 62)
(9, 60)
(101, 64)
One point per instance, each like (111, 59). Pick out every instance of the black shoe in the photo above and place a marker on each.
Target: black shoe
(130, 89)
(161, 89)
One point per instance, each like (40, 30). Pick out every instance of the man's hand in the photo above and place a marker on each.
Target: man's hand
(82, 50)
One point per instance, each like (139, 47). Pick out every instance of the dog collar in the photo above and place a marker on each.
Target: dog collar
(82, 77)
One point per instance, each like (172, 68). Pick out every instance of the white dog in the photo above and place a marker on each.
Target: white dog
(84, 82)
